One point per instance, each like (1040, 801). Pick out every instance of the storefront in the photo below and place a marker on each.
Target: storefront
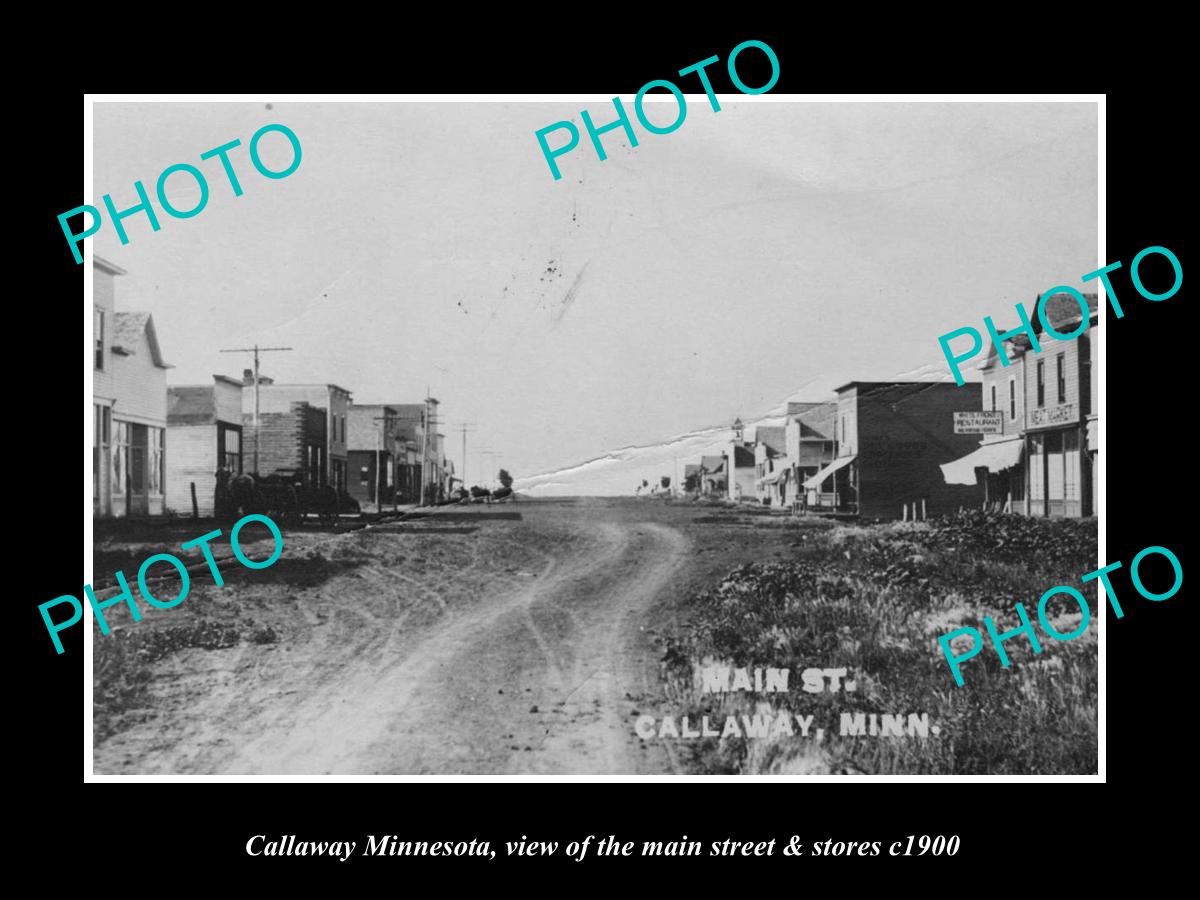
(1054, 444)
(138, 452)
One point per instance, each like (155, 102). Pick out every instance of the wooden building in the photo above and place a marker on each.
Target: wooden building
(891, 439)
(1042, 463)
(810, 447)
(286, 413)
(374, 452)
(204, 432)
(129, 405)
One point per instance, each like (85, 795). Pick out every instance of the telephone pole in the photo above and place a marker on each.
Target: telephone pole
(383, 424)
(256, 350)
(464, 428)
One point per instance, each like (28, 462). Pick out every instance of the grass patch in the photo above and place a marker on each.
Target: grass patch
(874, 600)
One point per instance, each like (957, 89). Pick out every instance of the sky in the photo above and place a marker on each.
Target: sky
(771, 251)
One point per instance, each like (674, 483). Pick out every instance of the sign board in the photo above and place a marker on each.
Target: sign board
(979, 422)
(1065, 414)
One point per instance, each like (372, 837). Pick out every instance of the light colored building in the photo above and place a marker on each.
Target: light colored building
(771, 464)
(711, 476)
(129, 405)
(810, 447)
(1042, 463)
(204, 432)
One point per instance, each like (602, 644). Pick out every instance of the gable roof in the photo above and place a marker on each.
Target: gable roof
(815, 419)
(712, 464)
(743, 456)
(128, 328)
(1063, 312)
(773, 437)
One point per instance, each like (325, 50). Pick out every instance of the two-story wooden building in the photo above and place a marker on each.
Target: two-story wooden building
(1042, 463)
(810, 448)
(129, 405)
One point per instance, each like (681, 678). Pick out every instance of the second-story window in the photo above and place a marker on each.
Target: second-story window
(1062, 379)
(1041, 383)
(98, 329)
(1012, 399)
(993, 398)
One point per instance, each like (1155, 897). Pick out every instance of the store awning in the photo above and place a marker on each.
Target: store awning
(995, 457)
(1093, 435)
(774, 477)
(819, 478)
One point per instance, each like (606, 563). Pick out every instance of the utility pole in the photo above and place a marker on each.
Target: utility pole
(256, 350)
(382, 420)
(465, 428)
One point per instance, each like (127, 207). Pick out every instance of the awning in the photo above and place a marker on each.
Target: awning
(819, 478)
(1093, 435)
(995, 457)
(774, 477)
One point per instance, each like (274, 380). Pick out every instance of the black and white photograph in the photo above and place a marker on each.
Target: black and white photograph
(538, 438)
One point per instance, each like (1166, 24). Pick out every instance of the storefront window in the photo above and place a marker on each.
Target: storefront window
(120, 452)
(1037, 487)
(156, 441)
(1071, 465)
(1054, 466)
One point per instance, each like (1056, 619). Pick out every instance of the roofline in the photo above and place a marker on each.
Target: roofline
(851, 384)
(104, 264)
(302, 384)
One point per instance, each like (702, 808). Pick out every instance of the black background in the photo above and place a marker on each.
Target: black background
(199, 833)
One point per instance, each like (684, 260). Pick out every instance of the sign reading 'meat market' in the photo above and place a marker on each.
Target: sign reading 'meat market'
(1054, 415)
(979, 422)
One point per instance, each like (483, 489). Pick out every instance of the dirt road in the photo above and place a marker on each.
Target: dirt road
(519, 647)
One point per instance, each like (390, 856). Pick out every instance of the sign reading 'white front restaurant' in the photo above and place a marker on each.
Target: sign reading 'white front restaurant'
(1054, 415)
(979, 422)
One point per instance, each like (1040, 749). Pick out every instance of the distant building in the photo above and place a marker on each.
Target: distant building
(374, 450)
(129, 405)
(712, 476)
(290, 409)
(810, 446)
(691, 478)
(891, 439)
(204, 432)
(425, 461)
(771, 465)
(739, 470)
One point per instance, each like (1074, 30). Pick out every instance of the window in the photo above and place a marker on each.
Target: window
(1041, 383)
(229, 448)
(1036, 468)
(993, 398)
(1071, 467)
(1012, 400)
(156, 440)
(120, 453)
(1062, 378)
(98, 332)
(364, 476)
